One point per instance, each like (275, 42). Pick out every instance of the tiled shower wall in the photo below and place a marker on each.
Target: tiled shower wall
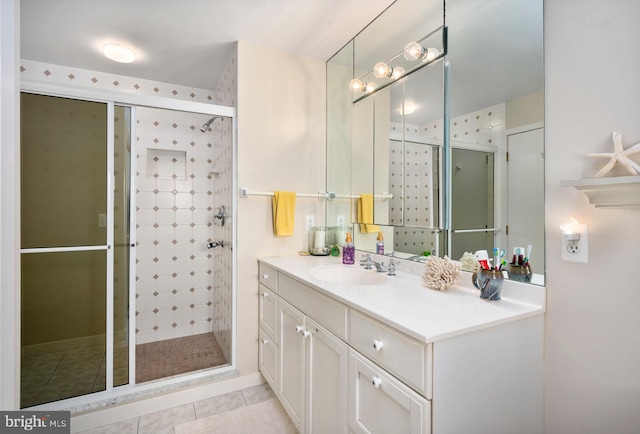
(482, 127)
(223, 191)
(174, 268)
(218, 145)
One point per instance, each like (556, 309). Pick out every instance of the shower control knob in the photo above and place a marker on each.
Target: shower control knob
(377, 345)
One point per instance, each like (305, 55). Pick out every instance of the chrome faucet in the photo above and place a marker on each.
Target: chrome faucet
(391, 268)
(369, 263)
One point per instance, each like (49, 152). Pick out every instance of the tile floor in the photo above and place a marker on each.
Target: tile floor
(248, 411)
(65, 374)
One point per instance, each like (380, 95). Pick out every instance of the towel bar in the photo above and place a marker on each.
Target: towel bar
(245, 192)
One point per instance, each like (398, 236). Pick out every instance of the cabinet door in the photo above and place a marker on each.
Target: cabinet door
(268, 359)
(326, 378)
(380, 403)
(268, 311)
(291, 384)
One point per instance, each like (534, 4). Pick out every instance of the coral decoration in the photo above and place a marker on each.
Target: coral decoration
(440, 273)
(469, 262)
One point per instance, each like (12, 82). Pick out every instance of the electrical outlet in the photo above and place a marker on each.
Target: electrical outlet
(102, 220)
(310, 221)
(575, 246)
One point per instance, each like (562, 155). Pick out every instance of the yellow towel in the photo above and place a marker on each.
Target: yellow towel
(365, 214)
(284, 206)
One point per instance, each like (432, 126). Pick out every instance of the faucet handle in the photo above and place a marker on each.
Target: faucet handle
(391, 268)
(365, 258)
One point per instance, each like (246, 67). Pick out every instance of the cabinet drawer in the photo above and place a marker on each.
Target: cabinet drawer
(268, 311)
(380, 403)
(268, 276)
(403, 356)
(268, 359)
(328, 312)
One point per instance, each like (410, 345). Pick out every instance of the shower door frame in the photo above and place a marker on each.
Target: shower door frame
(133, 101)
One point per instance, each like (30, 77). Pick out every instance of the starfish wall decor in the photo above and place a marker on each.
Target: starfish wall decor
(619, 155)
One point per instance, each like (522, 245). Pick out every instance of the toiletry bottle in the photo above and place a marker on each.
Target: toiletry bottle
(380, 244)
(348, 251)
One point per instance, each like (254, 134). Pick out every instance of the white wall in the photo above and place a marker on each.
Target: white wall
(592, 336)
(281, 146)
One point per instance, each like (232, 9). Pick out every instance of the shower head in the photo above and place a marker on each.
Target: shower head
(208, 123)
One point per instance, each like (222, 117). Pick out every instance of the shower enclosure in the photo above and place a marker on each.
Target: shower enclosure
(120, 208)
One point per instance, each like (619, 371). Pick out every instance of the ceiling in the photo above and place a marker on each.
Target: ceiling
(185, 42)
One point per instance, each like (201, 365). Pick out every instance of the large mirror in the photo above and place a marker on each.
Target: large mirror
(447, 156)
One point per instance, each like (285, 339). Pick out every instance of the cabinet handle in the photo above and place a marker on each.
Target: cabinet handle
(265, 276)
(376, 381)
(306, 333)
(299, 329)
(377, 345)
(265, 294)
(264, 341)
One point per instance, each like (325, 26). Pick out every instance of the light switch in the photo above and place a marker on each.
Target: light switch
(102, 220)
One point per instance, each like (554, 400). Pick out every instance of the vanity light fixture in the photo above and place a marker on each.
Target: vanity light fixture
(357, 85)
(381, 70)
(119, 53)
(414, 51)
(360, 86)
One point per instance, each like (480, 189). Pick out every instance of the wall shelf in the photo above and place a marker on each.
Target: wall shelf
(613, 192)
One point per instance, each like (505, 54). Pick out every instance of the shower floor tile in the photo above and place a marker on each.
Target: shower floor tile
(170, 357)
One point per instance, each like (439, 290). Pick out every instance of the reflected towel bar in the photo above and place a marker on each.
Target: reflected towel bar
(245, 192)
(462, 231)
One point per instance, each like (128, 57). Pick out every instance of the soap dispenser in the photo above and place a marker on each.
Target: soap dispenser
(348, 251)
(380, 244)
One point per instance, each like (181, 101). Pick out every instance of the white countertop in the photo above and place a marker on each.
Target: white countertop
(422, 313)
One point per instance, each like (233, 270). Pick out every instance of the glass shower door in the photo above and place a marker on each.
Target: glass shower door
(67, 250)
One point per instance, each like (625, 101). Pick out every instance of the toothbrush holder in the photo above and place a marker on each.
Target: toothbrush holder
(520, 273)
(489, 282)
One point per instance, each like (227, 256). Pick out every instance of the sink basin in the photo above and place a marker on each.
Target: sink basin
(348, 275)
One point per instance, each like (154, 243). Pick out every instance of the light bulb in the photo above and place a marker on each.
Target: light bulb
(370, 87)
(408, 109)
(381, 70)
(357, 85)
(430, 54)
(119, 53)
(398, 72)
(413, 51)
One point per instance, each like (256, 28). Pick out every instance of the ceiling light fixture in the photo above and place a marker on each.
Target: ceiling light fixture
(119, 53)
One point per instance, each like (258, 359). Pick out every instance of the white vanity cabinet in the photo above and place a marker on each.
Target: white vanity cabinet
(268, 333)
(310, 378)
(359, 359)
(380, 403)
(312, 372)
